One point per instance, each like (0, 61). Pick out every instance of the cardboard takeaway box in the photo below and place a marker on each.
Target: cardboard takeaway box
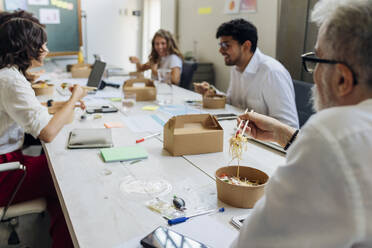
(193, 134)
(43, 88)
(80, 70)
(214, 102)
(146, 91)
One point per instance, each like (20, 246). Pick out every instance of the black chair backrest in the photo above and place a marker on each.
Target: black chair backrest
(303, 104)
(188, 69)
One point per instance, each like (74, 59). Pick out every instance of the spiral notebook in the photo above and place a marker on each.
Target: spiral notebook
(126, 153)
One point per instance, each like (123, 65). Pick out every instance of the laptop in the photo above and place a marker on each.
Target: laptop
(95, 76)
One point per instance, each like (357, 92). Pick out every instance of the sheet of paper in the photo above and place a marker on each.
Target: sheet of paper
(38, 2)
(174, 110)
(11, 5)
(49, 16)
(142, 123)
(248, 6)
(108, 94)
(92, 101)
(208, 231)
(232, 6)
(62, 4)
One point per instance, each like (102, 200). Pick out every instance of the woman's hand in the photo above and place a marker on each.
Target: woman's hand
(134, 60)
(265, 128)
(78, 93)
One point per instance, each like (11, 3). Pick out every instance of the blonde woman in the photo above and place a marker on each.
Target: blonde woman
(164, 55)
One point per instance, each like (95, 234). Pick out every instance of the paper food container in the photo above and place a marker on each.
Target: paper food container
(136, 74)
(42, 88)
(193, 134)
(214, 102)
(57, 106)
(240, 196)
(81, 70)
(143, 87)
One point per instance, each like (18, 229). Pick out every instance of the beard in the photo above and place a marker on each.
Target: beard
(322, 101)
(230, 61)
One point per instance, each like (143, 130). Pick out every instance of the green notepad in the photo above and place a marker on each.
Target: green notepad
(125, 153)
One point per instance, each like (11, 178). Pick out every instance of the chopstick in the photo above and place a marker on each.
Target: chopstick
(89, 88)
(246, 123)
(237, 131)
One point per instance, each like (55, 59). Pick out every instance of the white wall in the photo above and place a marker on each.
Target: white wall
(151, 24)
(112, 31)
(202, 28)
(168, 15)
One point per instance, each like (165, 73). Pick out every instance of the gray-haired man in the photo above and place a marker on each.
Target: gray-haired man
(322, 197)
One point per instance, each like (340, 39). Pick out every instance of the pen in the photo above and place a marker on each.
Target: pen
(185, 218)
(147, 137)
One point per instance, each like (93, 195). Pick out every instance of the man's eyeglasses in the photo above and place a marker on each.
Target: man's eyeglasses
(310, 60)
(224, 45)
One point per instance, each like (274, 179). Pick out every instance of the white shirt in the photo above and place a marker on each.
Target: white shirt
(170, 61)
(20, 111)
(322, 197)
(266, 87)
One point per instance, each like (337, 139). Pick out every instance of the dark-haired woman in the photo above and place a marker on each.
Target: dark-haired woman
(22, 47)
(164, 55)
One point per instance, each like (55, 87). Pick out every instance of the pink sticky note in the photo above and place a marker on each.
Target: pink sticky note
(113, 124)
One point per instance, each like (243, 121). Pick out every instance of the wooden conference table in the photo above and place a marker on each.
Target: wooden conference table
(100, 214)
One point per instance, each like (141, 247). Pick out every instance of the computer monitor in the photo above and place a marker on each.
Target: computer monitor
(95, 76)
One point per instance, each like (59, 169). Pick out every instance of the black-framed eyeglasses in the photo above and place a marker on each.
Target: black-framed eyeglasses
(310, 60)
(224, 45)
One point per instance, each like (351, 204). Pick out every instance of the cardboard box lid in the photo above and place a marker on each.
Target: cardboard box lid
(128, 85)
(193, 134)
(80, 67)
(199, 122)
(217, 101)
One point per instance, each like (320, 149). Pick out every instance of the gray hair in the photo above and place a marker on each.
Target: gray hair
(348, 33)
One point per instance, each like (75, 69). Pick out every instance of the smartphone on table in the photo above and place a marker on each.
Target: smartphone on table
(102, 110)
(228, 116)
(163, 237)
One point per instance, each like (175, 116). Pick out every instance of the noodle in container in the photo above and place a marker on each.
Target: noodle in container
(241, 196)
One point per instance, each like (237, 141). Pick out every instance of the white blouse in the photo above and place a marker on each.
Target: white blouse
(20, 110)
(171, 61)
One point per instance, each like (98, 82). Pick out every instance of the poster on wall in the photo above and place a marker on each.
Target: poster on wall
(11, 5)
(49, 16)
(232, 6)
(38, 2)
(248, 6)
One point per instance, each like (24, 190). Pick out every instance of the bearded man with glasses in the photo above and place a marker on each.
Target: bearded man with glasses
(257, 81)
(322, 197)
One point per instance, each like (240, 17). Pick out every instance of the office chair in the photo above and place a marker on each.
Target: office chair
(303, 104)
(188, 69)
(10, 213)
